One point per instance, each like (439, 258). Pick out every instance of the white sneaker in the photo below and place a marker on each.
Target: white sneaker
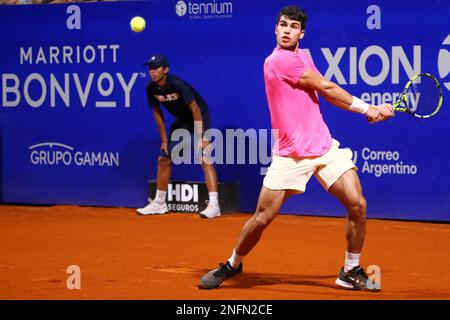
(153, 208)
(211, 211)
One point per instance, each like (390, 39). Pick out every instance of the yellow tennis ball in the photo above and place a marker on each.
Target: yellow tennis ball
(137, 24)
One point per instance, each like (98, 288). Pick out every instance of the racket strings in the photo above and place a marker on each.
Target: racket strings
(422, 96)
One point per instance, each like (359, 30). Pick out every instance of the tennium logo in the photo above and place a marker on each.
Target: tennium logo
(181, 8)
(205, 9)
(59, 154)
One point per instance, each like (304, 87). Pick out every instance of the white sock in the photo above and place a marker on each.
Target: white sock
(235, 260)
(351, 260)
(214, 198)
(160, 196)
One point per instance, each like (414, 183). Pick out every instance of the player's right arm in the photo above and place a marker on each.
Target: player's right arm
(337, 96)
(159, 119)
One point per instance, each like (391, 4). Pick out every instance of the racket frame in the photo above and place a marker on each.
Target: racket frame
(397, 106)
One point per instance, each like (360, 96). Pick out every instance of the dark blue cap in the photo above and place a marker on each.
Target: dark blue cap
(157, 61)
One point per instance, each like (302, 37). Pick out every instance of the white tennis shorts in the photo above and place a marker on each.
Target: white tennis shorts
(287, 173)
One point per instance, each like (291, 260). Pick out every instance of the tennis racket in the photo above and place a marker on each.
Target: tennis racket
(421, 98)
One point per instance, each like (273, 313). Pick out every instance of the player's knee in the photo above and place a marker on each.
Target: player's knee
(362, 205)
(163, 162)
(206, 160)
(206, 164)
(357, 210)
(262, 219)
(260, 223)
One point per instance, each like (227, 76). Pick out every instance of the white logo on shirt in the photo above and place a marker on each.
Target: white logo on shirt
(168, 97)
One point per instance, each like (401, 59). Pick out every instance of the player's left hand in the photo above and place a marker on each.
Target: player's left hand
(204, 150)
(203, 144)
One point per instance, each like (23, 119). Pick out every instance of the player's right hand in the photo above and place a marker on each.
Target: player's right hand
(379, 113)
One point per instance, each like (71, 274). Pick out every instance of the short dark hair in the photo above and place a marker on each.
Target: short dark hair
(294, 13)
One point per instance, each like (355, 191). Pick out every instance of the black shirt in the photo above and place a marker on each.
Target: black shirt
(176, 95)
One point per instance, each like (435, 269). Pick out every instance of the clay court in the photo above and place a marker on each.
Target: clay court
(126, 256)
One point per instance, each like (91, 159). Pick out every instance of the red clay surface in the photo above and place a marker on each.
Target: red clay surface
(126, 256)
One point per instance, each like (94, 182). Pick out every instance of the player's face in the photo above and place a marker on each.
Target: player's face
(158, 74)
(288, 32)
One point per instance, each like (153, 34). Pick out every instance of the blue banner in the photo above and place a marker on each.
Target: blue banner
(75, 126)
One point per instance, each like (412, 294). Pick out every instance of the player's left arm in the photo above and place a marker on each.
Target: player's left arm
(337, 96)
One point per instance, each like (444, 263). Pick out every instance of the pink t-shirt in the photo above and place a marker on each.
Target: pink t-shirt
(294, 110)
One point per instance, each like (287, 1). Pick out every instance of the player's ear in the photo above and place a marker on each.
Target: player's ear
(166, 70)
(302, 33)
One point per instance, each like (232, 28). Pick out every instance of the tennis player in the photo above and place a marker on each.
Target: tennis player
(191, 113)
(304, 147)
